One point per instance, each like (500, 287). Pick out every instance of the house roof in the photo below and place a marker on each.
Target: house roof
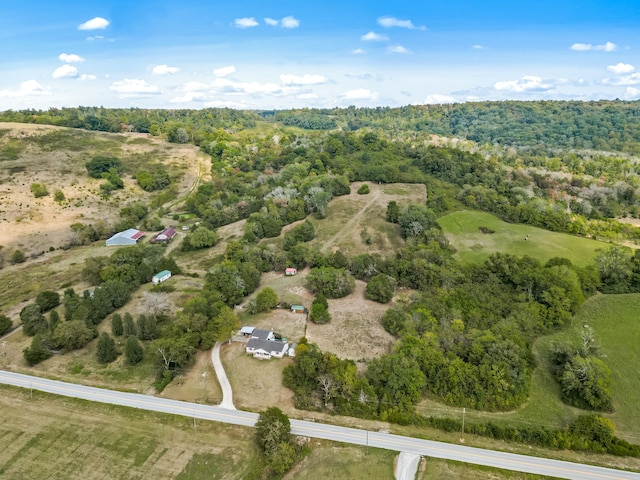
(131, 233)
(162, 273)
(260, 334)
(246, 330)
(291, 269)
(267, 345)
(167, 234)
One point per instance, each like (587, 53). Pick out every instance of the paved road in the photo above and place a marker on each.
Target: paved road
(509, 461)
(407, 466)
(227, 393)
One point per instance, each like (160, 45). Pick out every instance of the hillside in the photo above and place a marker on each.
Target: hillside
(55, 157)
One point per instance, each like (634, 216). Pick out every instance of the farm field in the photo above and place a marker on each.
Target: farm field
(44, 435)
(462, 228)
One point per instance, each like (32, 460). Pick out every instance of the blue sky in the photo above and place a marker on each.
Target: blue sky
(283, 54)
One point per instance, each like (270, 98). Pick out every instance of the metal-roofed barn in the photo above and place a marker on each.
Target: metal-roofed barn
(127, 237)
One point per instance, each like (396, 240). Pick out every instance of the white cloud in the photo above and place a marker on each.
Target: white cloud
(188, 97)
(306, 79)
(245, 22)
(193, 87)
(631, 93)
(437, 99)
(621, 68)
(95, 37)
(632, 79)
(70, 58)
(398, 49)
(164, 70)
(477, 47)
(97, 23)
(65, 71)
(528, 83)
(271, 21)
(389, 22)
(28, 88)
(374, 37)
(360, 94)
(86, 77)
(224, 71)
(585, 47)
(307, 96)
(358, 51)
(290, 22)
(134, 87)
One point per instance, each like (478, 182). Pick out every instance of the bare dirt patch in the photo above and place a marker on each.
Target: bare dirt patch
(198, 385)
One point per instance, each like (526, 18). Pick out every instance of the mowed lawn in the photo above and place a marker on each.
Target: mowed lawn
(463, 231)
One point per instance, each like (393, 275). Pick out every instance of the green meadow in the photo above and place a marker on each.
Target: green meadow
(462, 228)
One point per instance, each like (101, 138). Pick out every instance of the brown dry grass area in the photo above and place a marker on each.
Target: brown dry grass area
(198, 385)
(56, 437)
(350, 215)
(355, 331)
(37, 224)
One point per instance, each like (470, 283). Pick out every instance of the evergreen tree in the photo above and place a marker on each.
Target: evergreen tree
(133, 351)
(129, 326)
(117, 328)
(54, 319)
(106, 350)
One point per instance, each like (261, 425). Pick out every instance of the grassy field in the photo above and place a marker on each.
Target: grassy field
(463, 231)
(617, 332)
(44, 436)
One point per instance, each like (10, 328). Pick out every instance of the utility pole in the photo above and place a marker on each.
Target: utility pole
(464, 410)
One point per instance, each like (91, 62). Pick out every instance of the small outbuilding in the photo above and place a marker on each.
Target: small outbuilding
(128, 237)
(164, 236)
(246, 331)
(161, 277)
(290, 272)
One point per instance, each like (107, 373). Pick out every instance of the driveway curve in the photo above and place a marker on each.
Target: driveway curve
(227, 393)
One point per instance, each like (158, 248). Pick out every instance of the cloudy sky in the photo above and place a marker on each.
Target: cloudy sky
(283, 54)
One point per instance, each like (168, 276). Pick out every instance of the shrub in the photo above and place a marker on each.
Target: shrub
(5, 324)
(364, 189)
(133, 351)
(101, 164)
(18, 256)
(39, 190)
(38, 351)
(58, 196)
(381, 288)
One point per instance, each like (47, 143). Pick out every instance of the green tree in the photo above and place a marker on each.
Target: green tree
(47, 300)
(128, 325)
(101, 164)
(202, 237)
(106, 349)
(331, 282)
(273, 427)
(133, 351)
(319, 313)
(72, 335)
(5, 324)
(117, 327)
(393, 212)
(54, 319)
(266, 299)
(38, 351)
(381, 288)
(32, 320)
